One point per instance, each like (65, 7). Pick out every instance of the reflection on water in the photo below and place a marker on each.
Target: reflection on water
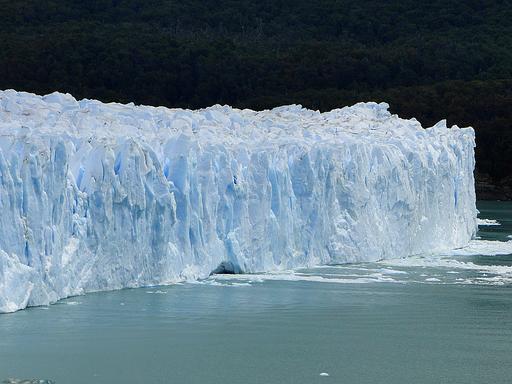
(428, 319)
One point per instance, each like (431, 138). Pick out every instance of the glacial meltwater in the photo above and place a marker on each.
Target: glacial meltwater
(424, 319)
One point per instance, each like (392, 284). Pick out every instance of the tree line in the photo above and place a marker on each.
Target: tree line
(441, 59)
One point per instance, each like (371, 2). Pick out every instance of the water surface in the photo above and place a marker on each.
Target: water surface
(426, 319)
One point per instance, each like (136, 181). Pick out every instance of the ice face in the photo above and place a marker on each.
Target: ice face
(100, 196)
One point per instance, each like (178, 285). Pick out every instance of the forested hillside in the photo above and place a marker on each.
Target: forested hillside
(438, 59)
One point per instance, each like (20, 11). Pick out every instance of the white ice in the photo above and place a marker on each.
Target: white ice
(483, 247)
(485, 222)
(100, 196)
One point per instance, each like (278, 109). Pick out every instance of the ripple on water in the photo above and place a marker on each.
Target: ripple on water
(27, 381)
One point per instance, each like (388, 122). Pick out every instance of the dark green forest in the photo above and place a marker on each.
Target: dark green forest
(430, 60)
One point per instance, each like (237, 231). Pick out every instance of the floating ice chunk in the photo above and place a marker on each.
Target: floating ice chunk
(392, 271)
(483, 247)
(73, 303)
(485, 222)
(448, 263)
(301, 277)
(324, 374)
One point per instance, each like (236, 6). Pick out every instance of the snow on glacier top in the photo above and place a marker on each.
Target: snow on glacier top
(24, 113)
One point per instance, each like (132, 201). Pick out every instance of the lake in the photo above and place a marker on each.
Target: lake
(425, 319)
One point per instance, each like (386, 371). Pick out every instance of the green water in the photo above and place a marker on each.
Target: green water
(426, 320)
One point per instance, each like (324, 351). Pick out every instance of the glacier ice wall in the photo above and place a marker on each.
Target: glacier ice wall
(100, 196)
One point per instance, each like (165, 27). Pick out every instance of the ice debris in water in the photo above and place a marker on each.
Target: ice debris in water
(104, 196)
(483, 247)
(487, 222)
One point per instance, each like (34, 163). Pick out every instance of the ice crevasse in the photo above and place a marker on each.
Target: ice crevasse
(98, 196)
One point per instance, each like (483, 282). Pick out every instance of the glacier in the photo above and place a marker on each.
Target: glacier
(97, 196)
